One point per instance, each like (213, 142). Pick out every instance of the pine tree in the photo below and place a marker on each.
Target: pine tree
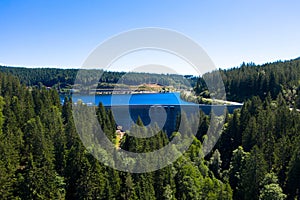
(168, 193)
(56, 133)
(38, 179)
(252, 174)
(188, 182)
(7, 167)
(215, 164)
(293, 176)
(144, 186)
(271, 189)
(250, 134)
(236, 165)
(128, 188)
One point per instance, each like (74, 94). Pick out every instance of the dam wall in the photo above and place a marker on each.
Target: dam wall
(165, 116)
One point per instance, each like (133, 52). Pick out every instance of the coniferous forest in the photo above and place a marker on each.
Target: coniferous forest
(256, 157)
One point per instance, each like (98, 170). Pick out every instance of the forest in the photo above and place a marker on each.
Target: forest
(62, 79)
(248, 80)
(256, 157)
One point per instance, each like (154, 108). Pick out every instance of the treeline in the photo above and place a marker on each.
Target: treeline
(241, 83)
(256, 157)
(250, 80)
(258, 151)
(42, 156)
(65, 78)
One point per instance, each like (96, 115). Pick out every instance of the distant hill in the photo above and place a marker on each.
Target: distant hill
(249, 80)
(241, 83)
(65, 78)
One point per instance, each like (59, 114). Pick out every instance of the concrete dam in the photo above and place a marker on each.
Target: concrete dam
(165, 116)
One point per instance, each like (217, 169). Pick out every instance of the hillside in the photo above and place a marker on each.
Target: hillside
(241, 83)
(256, 155)
(248, 80)
(64, 79)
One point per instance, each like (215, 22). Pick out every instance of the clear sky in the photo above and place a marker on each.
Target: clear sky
(63, 32)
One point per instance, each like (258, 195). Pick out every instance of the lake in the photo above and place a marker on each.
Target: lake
(150, 107)
(131, 99)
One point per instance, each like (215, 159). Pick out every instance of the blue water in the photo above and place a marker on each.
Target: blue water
(151, 108)
(131, 99)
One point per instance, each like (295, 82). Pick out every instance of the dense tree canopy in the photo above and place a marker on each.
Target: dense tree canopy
(42, 156)
(250, 80)
(256, 157)
(65, 78)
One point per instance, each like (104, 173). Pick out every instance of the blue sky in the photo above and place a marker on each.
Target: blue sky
(63, 32)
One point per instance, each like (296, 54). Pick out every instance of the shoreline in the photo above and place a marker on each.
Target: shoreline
(116, 92)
